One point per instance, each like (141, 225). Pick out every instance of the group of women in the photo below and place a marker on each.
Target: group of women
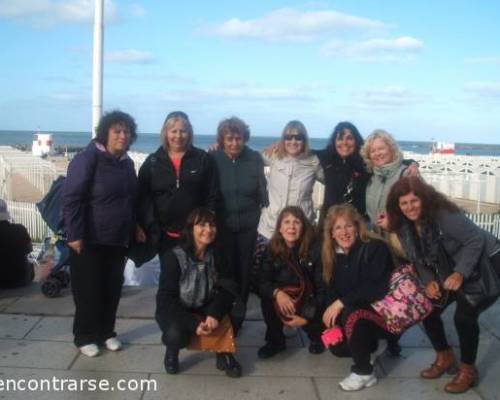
(220, 227)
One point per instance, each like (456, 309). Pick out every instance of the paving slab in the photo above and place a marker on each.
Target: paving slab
(41, 376)
(32, 354)
(392, 389)
(132, 358)
(253, 333)
(190, 387)
(35, 303)
(16, 326)
(137, 302)
(137, 331)
(488, 364)
(6, 301)
(490, 320)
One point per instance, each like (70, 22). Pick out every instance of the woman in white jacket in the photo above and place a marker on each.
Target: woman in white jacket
(293, 171)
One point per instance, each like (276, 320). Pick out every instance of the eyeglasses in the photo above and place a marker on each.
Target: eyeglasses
(299, 137)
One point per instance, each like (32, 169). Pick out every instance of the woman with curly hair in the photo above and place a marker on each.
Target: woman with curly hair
(98, 205)
(455, 260)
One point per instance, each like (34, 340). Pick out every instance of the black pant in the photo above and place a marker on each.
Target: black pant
(96, 282)
(363, 340)
(274, 325)
(239, 248)
(466, 324)
(179, 330)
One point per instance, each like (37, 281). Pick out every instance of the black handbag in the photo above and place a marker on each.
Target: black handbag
(482, 287)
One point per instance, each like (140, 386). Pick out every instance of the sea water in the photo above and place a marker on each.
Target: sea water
(148, 142)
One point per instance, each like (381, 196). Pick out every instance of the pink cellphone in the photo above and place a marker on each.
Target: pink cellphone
(332, 336)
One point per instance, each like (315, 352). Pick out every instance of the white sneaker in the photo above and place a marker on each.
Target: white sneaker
(357, 382)
(113, 344)
(90, 350)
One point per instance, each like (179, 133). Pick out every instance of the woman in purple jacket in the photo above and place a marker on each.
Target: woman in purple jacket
(98, 202)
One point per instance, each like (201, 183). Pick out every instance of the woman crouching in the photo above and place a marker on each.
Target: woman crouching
(356, 271)
(195, 295)
(286, 283)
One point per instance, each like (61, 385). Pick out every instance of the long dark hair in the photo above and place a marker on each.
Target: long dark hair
(432, 201)
(338, 133)
(277, 243)
(199, 215)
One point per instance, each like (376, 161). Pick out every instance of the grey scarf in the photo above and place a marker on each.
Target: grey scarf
(197, 278)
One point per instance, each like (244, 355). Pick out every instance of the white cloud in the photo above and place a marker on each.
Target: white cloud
(494, 60)
(137, 10)
(483, 89)
(129, 56)
(386, 97)
(287, 24)
(241, 93)
(68, 97)
(47, 13)
(375, 50)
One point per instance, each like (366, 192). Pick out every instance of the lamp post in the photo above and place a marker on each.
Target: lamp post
(97, 65)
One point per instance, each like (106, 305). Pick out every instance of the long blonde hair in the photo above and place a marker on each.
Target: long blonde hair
(328, 248)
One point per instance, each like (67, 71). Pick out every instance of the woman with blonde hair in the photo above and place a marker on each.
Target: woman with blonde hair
(173, 181)
(384, 160)
(293, 171)
(356, 268)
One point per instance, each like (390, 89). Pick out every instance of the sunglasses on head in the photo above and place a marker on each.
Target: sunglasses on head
(299, 137)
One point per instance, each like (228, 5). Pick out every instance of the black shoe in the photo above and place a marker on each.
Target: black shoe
(393, 348)
(316, 348)
(227, 362)
(270, 350)
(171, 361)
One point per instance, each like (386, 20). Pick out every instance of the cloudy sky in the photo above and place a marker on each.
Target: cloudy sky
(419, 69)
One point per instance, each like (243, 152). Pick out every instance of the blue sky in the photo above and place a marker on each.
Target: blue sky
(421, 70)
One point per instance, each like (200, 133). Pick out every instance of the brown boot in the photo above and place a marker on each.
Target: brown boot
(465, 379)
(445, 362)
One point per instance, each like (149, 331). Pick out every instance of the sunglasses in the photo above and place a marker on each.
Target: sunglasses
(299, 137)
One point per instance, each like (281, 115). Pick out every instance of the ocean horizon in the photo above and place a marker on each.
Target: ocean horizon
(148, 142)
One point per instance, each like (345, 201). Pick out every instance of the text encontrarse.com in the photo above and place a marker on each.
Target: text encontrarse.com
(55, 384)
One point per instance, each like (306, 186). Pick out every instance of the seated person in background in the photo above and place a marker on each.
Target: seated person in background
(285, 283)
(196, 294)
(355, 272)
(15, 245)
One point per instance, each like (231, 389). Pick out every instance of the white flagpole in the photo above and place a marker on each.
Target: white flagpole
(97, 65)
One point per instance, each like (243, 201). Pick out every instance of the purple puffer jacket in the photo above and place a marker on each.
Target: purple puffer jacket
(98, 198)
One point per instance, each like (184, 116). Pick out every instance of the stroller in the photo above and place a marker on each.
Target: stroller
(50, 210)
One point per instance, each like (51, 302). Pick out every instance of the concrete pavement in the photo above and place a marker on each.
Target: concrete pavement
(36, 343)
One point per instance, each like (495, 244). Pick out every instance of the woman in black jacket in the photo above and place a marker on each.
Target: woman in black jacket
(355, 272)
(346, 176)
(195, 292)
(244, 192)
(174, 180)
(451, 255)
(98, 206)
(286, 267)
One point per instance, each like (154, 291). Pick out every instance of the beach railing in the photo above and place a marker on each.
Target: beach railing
(15, 164)
(489, 222)
(27, 214)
